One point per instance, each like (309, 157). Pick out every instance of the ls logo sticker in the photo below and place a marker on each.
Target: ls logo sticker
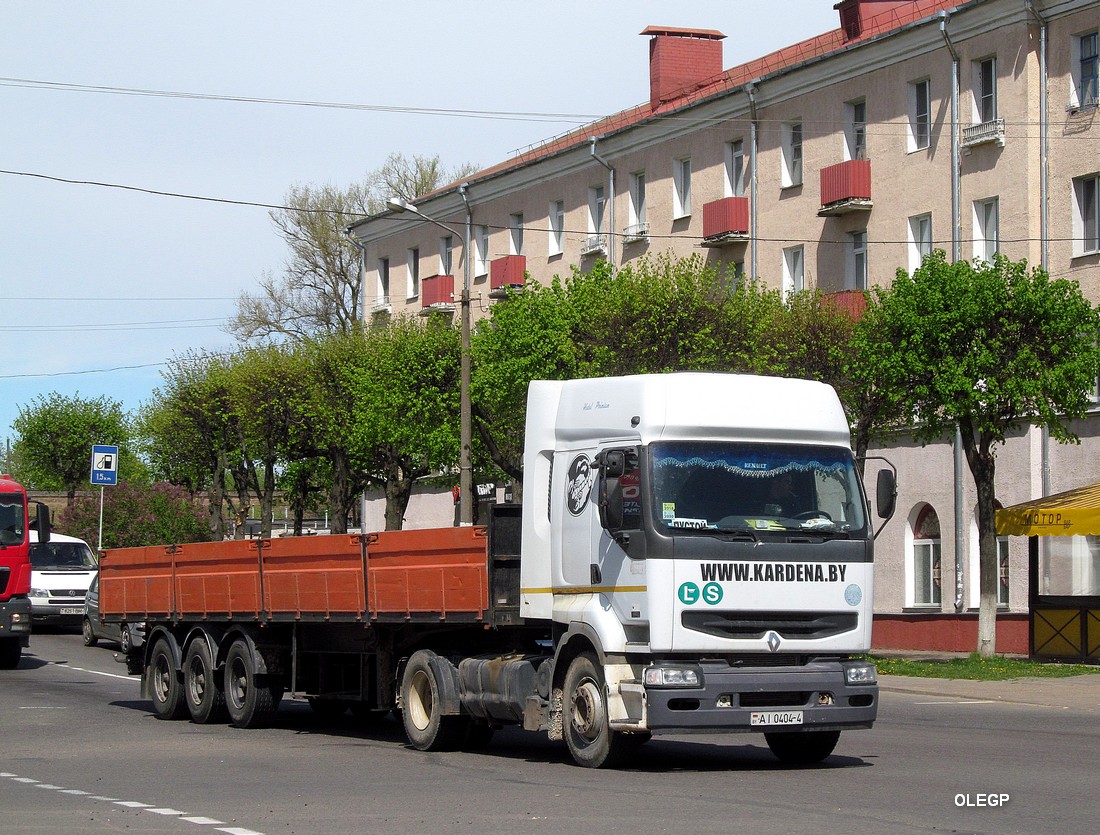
(689, 594)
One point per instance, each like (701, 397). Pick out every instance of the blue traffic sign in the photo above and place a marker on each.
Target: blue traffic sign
(104, 464)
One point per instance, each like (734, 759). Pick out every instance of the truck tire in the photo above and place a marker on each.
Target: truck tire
(802, 748)
(11, 650)
(251, 702)
(164, 683)
(585, 724)
(422, 706)
(205, 699)
(90, 640)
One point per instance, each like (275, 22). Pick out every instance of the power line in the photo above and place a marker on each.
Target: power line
(87, 371)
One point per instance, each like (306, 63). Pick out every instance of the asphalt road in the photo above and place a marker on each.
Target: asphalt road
(83, 753)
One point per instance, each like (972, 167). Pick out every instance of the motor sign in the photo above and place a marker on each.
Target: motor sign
(104, 464)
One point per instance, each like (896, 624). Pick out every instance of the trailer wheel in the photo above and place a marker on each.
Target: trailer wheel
(164, 683)
(10, 653)
(422, 707)
(205, 699)
(251, 703)
(585, 724)
(802, 748)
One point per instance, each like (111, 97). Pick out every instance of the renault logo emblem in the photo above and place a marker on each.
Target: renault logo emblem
(773, 641)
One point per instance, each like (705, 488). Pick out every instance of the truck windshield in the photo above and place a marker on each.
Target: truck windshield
(13, 524)
(62, 556)
(756, 487)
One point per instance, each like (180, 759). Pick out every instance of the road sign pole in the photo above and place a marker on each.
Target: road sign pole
(99, 547)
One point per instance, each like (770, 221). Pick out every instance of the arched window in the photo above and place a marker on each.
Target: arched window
(926, 558)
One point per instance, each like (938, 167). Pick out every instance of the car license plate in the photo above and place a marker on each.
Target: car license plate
(777, 717)
(72, 610)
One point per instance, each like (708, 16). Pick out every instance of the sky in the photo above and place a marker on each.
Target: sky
(102, 281)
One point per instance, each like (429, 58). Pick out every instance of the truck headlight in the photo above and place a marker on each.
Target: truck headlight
(860, 672)
(673, 675)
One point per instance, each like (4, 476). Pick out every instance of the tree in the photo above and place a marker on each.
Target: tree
(55, 435)
(320, 289)
(986, 348)
(135, 515)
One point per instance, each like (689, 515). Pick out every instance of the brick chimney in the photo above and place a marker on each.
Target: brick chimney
(680, 60)
(856, 16)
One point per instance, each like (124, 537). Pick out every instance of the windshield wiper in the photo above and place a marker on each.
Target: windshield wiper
(743, 532)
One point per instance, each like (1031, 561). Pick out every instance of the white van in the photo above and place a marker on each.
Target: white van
(61, 571)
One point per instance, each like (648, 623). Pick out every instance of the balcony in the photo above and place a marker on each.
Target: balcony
(595, 244)
(636, 232)
(381, 304)
(846, 187)
(437, 294)
(507, 273)
(991, 131)
(853, 303)
(726, 221)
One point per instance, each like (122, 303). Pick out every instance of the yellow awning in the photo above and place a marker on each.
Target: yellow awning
(1063, 514)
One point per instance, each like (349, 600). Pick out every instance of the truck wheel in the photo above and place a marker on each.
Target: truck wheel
(802, 748)
(422, 705)
(585, 724)
(90, 639)
(164, 684)
(11, 650)
(205, 700)
(251, 703)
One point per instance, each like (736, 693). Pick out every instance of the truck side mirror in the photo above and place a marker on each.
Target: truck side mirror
(886, 494)
(42, 521)
(611, 502)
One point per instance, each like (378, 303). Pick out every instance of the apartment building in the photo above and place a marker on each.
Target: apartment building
(915, 124)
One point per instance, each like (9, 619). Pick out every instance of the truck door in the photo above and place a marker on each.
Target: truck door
(620, 552)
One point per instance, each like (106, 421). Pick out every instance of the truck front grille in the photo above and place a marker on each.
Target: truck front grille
(754, 625)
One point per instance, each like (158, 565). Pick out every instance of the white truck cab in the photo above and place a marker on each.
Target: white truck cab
(61, 571)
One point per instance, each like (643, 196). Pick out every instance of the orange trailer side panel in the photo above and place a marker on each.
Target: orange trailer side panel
(319, 575)
(441, 570)
(136, 582)
(218, 578)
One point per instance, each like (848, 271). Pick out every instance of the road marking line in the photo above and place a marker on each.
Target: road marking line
(166, 812)
(133, 804)
(236, 830)
(95, 672)
(204, 821)
(962, 702)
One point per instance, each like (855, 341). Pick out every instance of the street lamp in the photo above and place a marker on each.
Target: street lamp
(465, 466)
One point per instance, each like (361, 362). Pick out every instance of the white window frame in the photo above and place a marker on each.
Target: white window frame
(855, 272)
(597, 209)
(920, 115)
(855, 129)
(794, 269)
(1086, 215)
(481, 250)
(412, 273)
(446, 254)
(382, 284)
(792, 146)
(927, 554)
(681, 188)
(736, 168)
(556, 241)
(985, 90)
(1004, 576)
(920, 239)
(1085, 69)
(637, 199)
(987, 232)
(515, 234)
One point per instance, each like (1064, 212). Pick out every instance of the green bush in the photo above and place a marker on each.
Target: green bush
(134, 515)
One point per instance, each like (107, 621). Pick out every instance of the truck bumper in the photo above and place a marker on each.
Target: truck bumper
(728, 698)
(15, 620)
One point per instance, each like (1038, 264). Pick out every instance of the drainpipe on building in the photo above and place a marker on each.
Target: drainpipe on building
(750, 91)
(1044, 205)
(957, 450)
(610, 202)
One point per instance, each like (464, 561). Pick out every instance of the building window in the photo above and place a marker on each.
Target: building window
(735, 168)
(383, 297)
(446, 254)
(597, 204)
(1084, 91)
(557, 227)
(1086, 219)
(515, 234)
(794, 275)
(637, 199)
(481, 250)
(920, 240)
(681, 188)
(1002, 571)
(986, 233)
(856, 273)
(920, 115)
(855, 130)
(985, 90)
(926, 558)
(412, 273)
(792, 155)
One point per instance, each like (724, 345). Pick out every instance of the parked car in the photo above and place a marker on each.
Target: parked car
(61, 571)
(127, 635)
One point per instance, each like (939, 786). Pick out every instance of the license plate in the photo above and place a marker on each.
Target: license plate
(72, 610)
(777, 717)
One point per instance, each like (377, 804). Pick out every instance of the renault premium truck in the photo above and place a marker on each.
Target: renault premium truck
(694, 553)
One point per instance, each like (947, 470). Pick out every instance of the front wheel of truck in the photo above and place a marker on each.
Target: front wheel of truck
(164, 683)
(802, 748)
(11, 650)
(585, 725)
(422, 697)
